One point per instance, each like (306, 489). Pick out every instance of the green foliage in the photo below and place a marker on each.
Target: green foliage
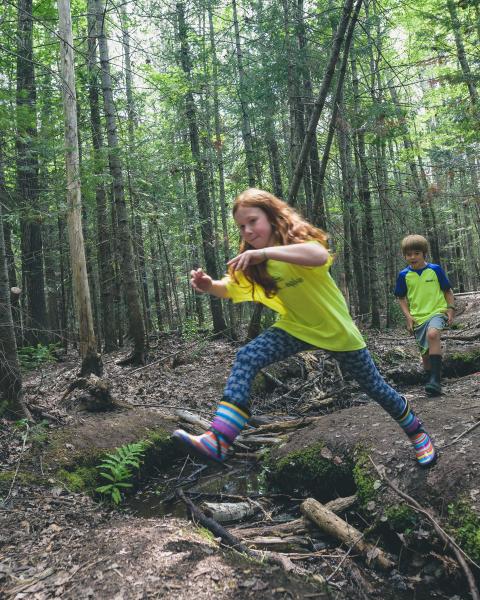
(118, 469)
(82, 479)
(32, 357)
(464, 524)
(365, 479)
(401, 518)
(307, 470)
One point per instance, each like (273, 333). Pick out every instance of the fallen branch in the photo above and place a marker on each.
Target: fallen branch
(335, 526)
(455, 440)
(229, 540)
(459, 553)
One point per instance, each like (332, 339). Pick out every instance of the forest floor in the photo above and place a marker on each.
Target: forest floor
(56, 543)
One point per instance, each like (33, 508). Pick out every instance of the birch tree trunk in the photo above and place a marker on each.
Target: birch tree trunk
(91, 362)
(127, 263)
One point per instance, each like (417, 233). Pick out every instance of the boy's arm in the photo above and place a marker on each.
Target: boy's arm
(406, 312)
(450, 298)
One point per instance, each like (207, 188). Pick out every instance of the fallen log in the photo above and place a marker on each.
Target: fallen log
(229, 540)
(229, 512)
(328, 522)
(297, 526)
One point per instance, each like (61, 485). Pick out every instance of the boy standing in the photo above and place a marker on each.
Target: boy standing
(426, 299)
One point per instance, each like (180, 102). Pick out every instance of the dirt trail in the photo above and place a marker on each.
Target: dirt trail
(58, 544)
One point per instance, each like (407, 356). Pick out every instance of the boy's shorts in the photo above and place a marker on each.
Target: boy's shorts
(437, 321)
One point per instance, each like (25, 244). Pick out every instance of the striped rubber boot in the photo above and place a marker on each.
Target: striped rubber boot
(228, 422)
(413, 427)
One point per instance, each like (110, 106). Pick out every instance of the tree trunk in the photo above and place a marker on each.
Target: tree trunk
(419, 184)
(344, 150)
(462, 56)
(319, 210)
(319, 103)
(104, 245)
(200, 173)
(11, 400)
(127, 266)
(91, 362)
(27, 180)
(314, 159)
(365, 294)
(242, 92)
(220, 163)
(138, 241)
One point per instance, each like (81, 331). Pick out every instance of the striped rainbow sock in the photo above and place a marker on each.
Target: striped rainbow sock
(413, 427)
(228, 422)
(424, 450)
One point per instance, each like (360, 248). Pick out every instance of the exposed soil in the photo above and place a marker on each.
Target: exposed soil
(54, 543)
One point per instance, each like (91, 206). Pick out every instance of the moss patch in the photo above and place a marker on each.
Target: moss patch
(467, 357)
(307, 470)
(401, 518)
(23, 477)
(364, 477)
(82, 474)
(464, 524)
(82, 479)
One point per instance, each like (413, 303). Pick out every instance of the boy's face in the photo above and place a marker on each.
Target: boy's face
(415, 258)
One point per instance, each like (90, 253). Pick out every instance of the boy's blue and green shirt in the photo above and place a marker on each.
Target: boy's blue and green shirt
(424, 290)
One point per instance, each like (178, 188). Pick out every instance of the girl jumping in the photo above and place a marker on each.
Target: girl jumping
(284, 264)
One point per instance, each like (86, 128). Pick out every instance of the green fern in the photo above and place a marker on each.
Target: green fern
(118, 469)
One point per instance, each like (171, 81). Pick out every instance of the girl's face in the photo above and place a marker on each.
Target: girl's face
(255, 228)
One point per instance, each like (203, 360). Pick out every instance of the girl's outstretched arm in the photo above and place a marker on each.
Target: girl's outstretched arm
(307, 255)
(203, 283)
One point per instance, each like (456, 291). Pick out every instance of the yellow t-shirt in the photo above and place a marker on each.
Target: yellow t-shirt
(310, 305)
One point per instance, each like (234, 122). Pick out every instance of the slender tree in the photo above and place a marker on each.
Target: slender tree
(127, 266)
(11, 396)
(27, 180)
(91, 362)
(199, 170)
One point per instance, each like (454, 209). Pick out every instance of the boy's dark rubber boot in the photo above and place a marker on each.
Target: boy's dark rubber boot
(434, 386)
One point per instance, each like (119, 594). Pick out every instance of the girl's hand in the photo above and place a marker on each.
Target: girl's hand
(247, 258)
(200, 281)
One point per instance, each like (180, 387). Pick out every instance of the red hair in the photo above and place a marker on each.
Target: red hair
(288, 227)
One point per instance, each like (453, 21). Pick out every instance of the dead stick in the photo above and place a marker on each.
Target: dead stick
(461, 435)
(459, 553)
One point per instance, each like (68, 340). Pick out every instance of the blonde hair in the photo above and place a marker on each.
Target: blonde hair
(288, 227)
(414, 242)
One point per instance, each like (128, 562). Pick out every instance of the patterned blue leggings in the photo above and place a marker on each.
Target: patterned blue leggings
(274, 344)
